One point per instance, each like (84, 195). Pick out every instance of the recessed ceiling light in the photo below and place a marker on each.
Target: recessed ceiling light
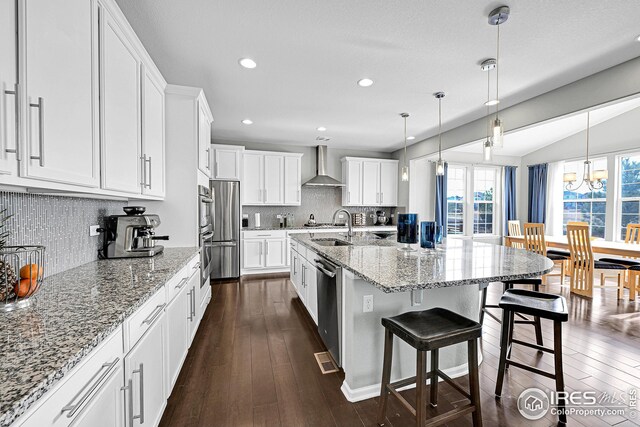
(492, 102)
(247, 122)
(321, 129)
(365, 82)
(248, 63)
(411, 138)
(638, 39)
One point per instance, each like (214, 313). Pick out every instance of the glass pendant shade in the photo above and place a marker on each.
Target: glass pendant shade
(599, 175)
(440, 167)
(487, 152)
(570, 177)
(497, 131)
(405, 173)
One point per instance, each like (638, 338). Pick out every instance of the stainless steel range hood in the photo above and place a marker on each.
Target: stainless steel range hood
(322, 179)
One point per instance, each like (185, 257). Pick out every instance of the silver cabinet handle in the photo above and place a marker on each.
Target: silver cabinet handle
(154, 314)
(129, 387)
(295, 259)
(40, 107)
(298, 195)
(208, 159)
(265, 195)
(260, 248)
(266, 248)
(381, 197)
(182, 282)
(16, 104)
(73, 409)
(143, 175)
(148, 160)
(304, 276)
(263, 235)
(140, 416)
(190, 316)
(193, 303)
(348, 196)
(196, 266)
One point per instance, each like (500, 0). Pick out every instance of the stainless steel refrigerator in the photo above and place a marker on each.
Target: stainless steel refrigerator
(226, 230)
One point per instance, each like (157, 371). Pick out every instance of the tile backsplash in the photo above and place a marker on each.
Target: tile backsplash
(59, 223)
(322, 202)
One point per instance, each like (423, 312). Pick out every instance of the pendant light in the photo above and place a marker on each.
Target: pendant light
(440, 162)
(497, 17)
(405, 168)
(487, 146)
(593, 181)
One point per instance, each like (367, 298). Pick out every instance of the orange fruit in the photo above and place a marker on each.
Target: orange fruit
(31, 271)
(25, 287)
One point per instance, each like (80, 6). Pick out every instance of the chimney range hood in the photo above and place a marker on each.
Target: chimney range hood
(322, 179)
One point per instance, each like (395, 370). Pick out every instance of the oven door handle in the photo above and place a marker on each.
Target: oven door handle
(207, 236)
(206, 200)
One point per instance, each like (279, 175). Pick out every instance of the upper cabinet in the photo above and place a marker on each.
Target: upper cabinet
(271, 178)
(369, 182)
(226, 162)
(60, 75)
(204, 136)
(153, 132)
(9, 102)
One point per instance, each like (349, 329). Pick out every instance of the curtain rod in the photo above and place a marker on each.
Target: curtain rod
(476, 164)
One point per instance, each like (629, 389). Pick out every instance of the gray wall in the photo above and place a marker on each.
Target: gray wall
(59, 223)
(606, 86)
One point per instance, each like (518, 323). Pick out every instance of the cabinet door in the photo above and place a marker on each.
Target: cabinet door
(370, 183)
(177, 329)
(252, 179)
(292, 180)
(204, 140)
(226, 163)
(61, 91)
(294, 273)
(274, 252)
(106, 407)
(252, 254)
(312, 290)
(194, 305)
(145, 373)
(273, 179)
(8, 80)
(152, 135)
(302, 289)
(352, 195)
(120, 109)
(388, 183)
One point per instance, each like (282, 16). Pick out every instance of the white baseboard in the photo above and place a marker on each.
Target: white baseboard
(265, 271)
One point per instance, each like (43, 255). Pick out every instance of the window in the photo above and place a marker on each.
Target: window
(456, 189)
(583, 204)
(484, 182)
(629, 208)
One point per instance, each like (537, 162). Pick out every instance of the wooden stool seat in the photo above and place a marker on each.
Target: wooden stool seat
(429, 331)
(545, 306)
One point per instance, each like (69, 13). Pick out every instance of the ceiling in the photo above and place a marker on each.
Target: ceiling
(310, 54)
(522, 142)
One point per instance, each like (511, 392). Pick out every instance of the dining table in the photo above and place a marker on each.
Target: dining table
(599, 246)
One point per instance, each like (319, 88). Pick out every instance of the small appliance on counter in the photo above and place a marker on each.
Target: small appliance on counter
(132, 235)
(245, 220)
(381, 218)
(312, 220)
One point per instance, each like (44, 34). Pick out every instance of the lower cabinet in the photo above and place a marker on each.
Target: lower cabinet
(264, 250)
(107, 407)
(177, 333)
(144, 373)
(193, 305)
(304, 280)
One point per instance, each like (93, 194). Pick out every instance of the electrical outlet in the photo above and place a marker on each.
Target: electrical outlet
(367, 304)
(93, 230)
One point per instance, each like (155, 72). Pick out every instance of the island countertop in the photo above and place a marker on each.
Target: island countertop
(458, 262)
(74, 312)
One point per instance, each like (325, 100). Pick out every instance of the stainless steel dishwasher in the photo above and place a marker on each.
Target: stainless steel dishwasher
(329, 278)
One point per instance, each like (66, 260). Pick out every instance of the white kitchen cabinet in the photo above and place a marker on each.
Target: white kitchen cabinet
(60, 55)
(369, 182)
(204, 136)
(145, 376)
(153, 157)
(227, 162)
(9, 133)
(311, 285)
(252, 253)
(177, 332)
(292, 180)
(275, 252)
(295, 274)
(273, 179)
(252, 179)
(106, 408)
(193, 304)
(119, 109)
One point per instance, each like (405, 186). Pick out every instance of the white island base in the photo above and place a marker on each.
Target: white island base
(362, 341)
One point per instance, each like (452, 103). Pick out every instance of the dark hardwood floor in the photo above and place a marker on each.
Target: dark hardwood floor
(252, 364)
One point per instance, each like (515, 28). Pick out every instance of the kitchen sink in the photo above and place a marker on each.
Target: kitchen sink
(330, 242)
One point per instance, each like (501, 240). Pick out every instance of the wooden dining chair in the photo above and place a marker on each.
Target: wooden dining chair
(534, 241)
(632, 236)
(584, 265)
(515, 231)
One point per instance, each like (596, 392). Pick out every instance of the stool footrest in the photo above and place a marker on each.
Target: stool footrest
(532, 345)
(402, 383)
(450, 415)
(531, 369)
(449, 381)
(404, 401)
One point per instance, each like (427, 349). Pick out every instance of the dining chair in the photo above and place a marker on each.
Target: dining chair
(515, 231)
(632, 236)
(584, 265)
(534, 241)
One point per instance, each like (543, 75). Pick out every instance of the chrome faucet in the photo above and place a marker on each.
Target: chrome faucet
(335, 214)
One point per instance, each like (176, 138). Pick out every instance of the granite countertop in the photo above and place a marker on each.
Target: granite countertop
(459, 262)
(74, 311)
(322, 227)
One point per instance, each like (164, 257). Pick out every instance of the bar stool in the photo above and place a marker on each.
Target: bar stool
(542, 305)
(431, 330)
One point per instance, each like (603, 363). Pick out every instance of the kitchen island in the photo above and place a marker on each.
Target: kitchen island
(397, 282)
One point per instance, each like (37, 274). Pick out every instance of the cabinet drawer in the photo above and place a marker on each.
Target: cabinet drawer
(179, 281)
(143, 318)
(293, 245)
(66, 403)
(266, 234)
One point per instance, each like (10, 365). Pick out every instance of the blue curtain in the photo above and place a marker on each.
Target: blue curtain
(537, 193)
(509, 196)
(441, 200)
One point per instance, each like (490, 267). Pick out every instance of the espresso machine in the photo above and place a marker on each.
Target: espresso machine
(132, 235)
